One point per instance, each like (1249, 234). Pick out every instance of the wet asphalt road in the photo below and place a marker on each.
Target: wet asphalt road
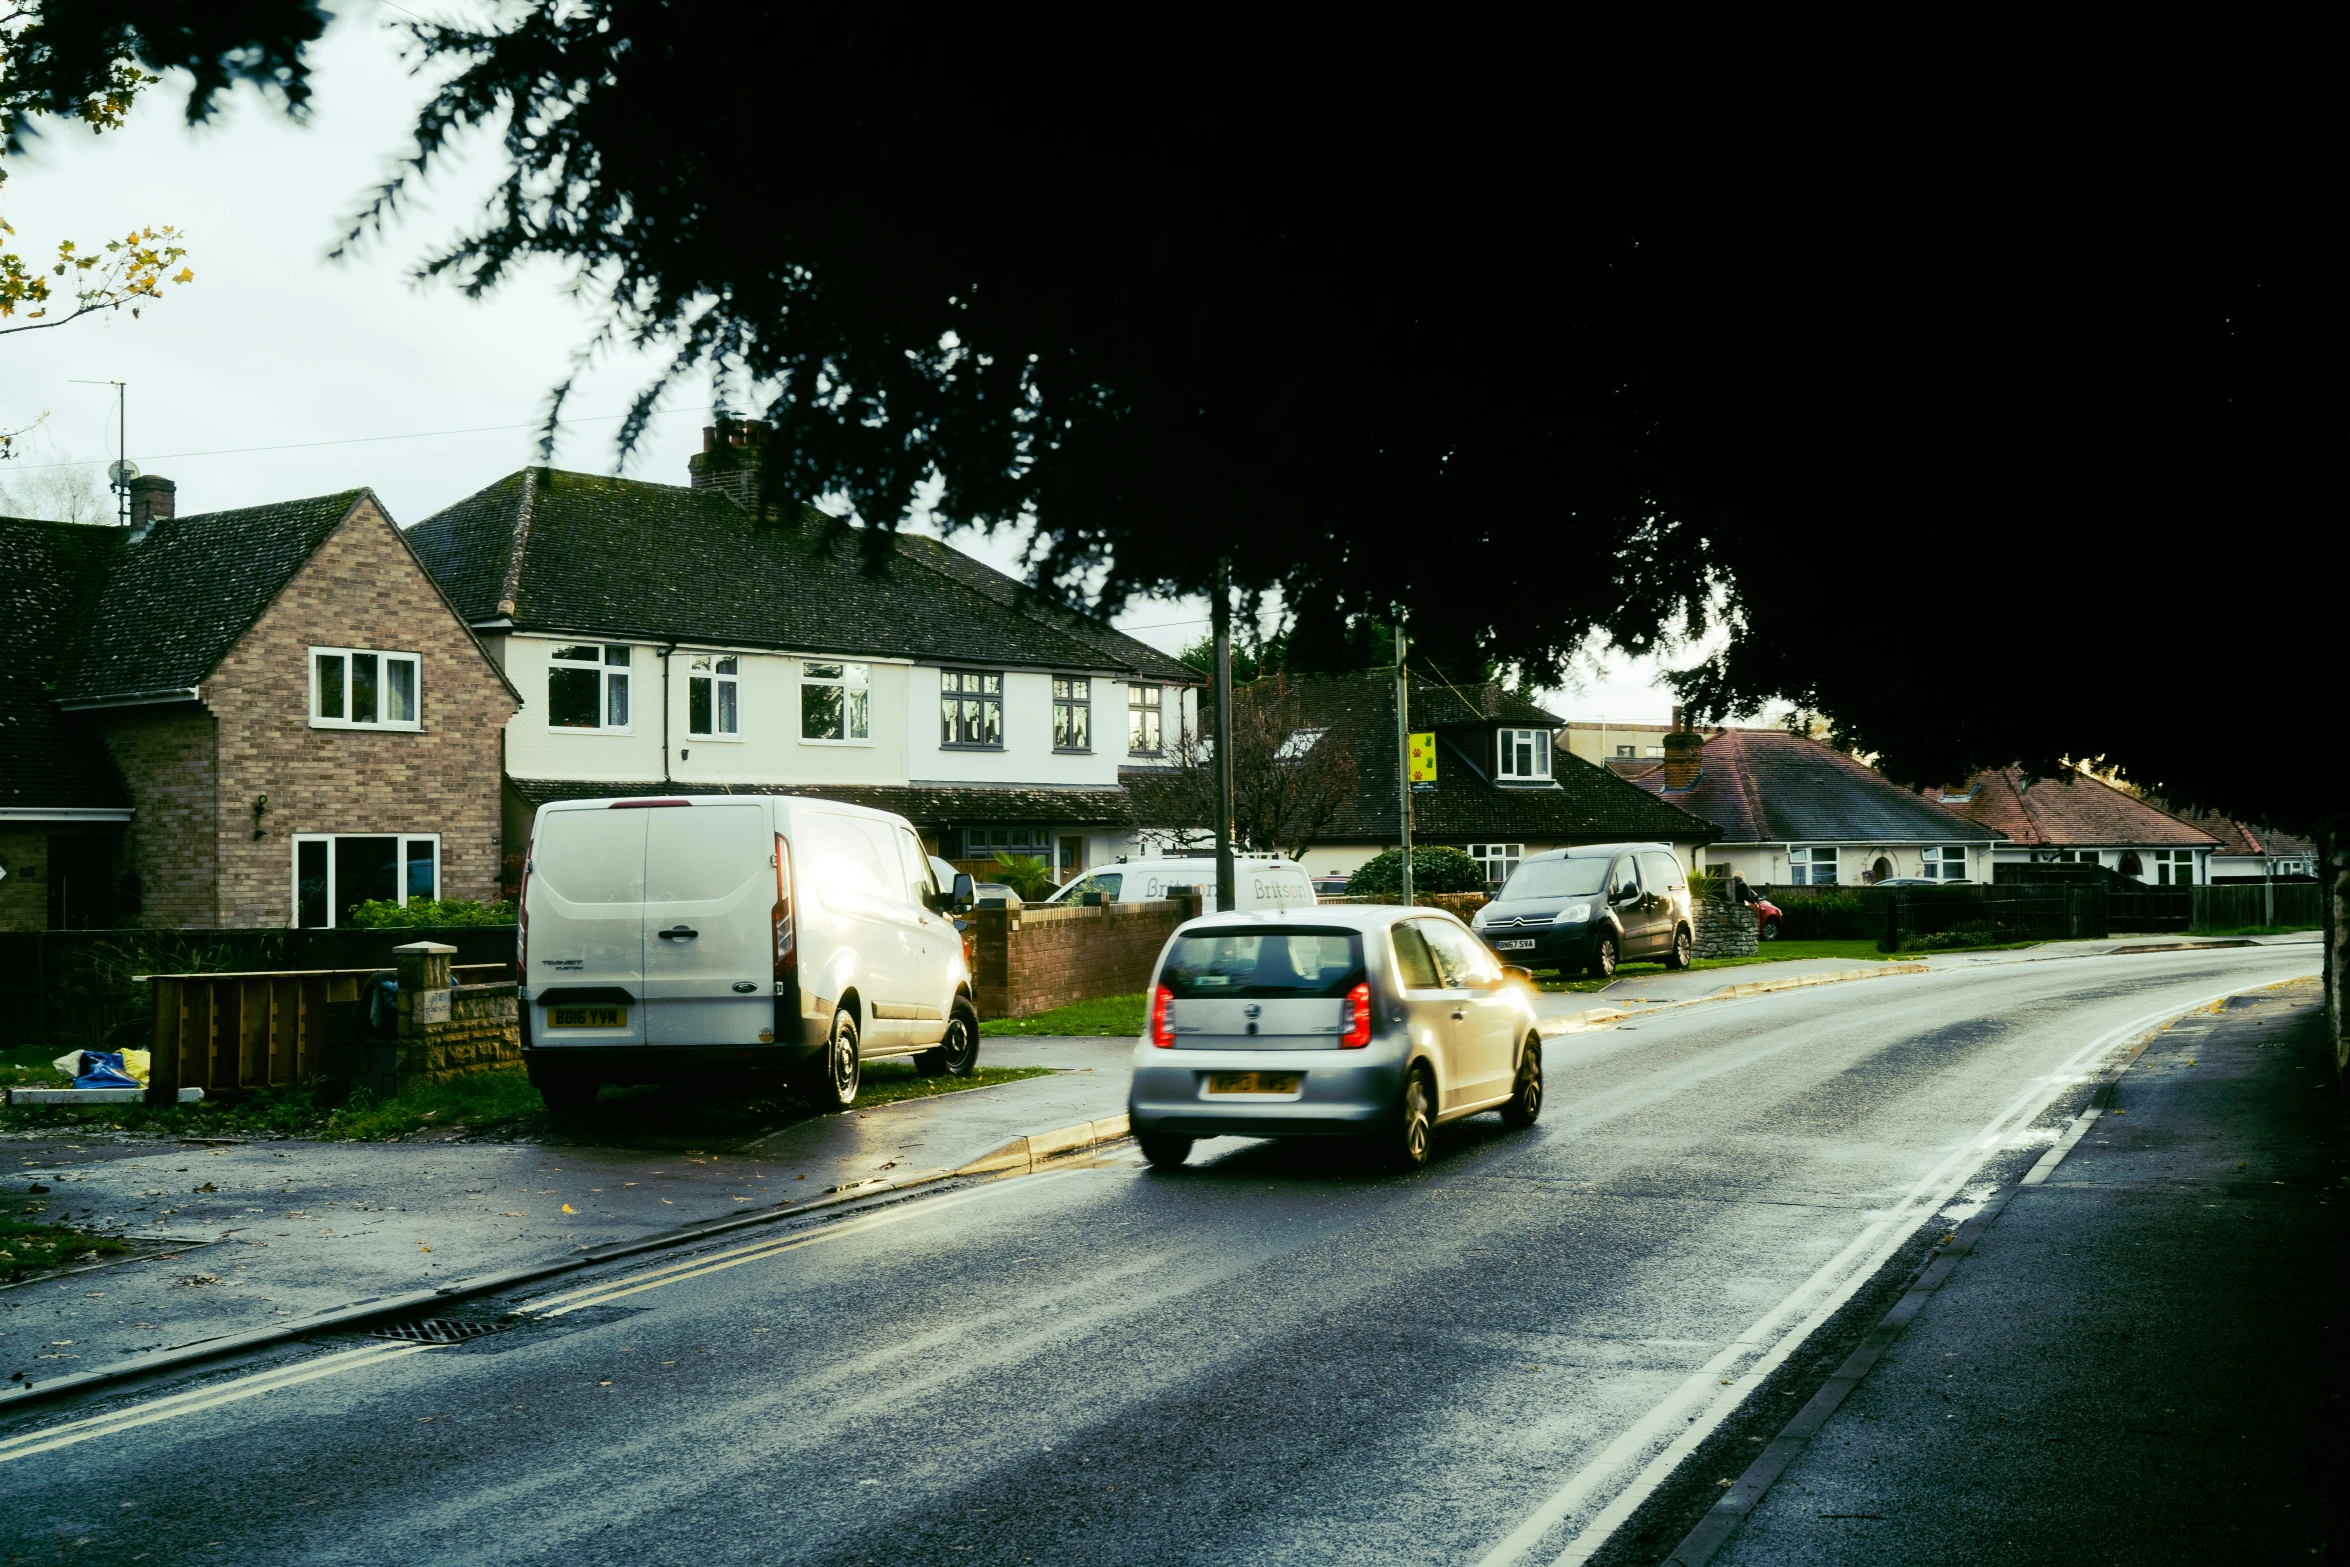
(1272, 1356)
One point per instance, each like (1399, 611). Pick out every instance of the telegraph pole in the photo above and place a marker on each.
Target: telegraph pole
(1403, 755)
(1226, 892)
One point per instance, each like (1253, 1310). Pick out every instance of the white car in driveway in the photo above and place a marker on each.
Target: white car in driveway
(1260, 881)
(714, 935)
(1371, 1022)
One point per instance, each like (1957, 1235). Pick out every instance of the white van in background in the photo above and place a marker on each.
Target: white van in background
(673, 939)
(1260, 881)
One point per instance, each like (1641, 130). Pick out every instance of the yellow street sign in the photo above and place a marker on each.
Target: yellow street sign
(1423, 759)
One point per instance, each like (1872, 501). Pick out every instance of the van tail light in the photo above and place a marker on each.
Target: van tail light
(1162, 1029)
(787, 943)
(1358, 1018)
(522, 918)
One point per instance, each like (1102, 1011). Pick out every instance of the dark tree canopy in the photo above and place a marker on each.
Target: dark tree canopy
(63, 56)
(1969, 376)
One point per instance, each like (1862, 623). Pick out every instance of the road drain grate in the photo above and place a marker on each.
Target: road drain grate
(434, 1330)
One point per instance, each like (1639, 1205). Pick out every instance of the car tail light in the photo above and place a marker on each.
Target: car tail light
(1358, 1018)
(787, 943)
(1162, 1030)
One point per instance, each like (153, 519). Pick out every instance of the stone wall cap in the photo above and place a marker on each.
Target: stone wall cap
(428, 948)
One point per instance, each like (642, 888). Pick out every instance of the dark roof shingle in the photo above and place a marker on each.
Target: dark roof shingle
(50, 576)
(1770, 786)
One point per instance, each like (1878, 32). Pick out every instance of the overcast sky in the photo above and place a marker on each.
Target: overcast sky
(279, 373)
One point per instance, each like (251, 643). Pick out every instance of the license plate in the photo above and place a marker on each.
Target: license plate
(587, 1017)
(1252, 1082)
(1524, 945)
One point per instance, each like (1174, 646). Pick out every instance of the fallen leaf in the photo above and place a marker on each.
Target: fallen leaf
(509, 1215)
(567, 1208)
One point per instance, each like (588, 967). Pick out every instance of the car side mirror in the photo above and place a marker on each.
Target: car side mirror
(963, 893)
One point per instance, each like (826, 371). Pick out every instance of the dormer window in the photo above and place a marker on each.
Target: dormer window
(1525, 756)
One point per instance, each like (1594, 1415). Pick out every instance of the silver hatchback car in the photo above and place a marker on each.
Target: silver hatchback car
(1369, 1022)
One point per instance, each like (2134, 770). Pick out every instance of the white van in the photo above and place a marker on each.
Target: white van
(672, 939)
(1260, 881)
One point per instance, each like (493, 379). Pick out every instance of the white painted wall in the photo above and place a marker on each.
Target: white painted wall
(1768, 863)
(1027, 756)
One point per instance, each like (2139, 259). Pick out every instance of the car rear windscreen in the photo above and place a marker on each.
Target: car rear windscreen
(1578, 878)
(1257, 964)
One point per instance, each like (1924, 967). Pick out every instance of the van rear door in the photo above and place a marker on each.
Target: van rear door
(709, 942)
(587, 917)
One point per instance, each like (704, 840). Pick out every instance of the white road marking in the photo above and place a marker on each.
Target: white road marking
(50, 1438)
(676, 1273)
(1699, 1405)
(2064, 1145)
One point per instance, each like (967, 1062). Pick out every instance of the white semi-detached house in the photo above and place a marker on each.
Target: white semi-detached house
(664, 640)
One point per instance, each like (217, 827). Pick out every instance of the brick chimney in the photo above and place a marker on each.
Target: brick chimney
(729, 461)
(1684, 756)
(154, 499)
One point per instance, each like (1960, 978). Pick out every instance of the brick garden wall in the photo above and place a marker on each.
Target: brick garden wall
(361, 588)
(1034, 959)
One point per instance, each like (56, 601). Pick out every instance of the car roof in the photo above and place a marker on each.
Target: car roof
(1351, 916)
(1592, 851)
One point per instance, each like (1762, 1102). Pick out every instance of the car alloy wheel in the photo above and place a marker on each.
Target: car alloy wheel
(1165, 1151)
(1682, 951)
(1603, 958)
(1525, 1101)
(1412, 1123)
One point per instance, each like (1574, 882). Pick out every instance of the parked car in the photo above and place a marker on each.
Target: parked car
(1368, 1021)
(1331, 886)
(677, 939)
(1916, 881)
(1767, 918)
(1260, 881)
(1591, 908)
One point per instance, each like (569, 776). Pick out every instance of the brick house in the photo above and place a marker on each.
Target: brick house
(277, 708)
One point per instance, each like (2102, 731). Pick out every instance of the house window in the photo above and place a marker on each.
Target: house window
(835, 703)
(1625, 750)
(2130, 867)
(1499, 859)
(1143, 709)
(1945, 864)
(587, 687)
(1072, 713)
(981, 843)
(354, 688)
(711, 706)
(2174, 867)
(1525, 754)
(971, 708)
(1812, 865)
(336, 872)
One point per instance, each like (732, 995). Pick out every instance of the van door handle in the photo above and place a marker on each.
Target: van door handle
(677, 933)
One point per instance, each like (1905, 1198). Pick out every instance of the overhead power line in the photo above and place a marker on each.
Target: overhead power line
(351, 440)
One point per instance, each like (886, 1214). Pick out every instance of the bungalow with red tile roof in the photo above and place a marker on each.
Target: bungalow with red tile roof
(2075, 818)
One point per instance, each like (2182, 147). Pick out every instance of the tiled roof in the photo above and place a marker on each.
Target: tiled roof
(180, 598)
(579, 553)
(1769, 786)
(925, 805)
(2074, 811)
(2242, 838)
(1588, 805)
(50, 577)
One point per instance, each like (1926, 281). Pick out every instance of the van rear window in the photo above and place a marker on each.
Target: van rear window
(1258, 964)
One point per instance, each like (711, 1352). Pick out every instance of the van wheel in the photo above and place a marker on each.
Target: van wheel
(1525, 1101)
(1682, 951)
(1603, 958)
(833, 1077)
(957, 1055)
(1167, 1153)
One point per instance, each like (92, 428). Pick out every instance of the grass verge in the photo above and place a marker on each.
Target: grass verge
(502, 1104)
(33, 1248)
(1109, 1015)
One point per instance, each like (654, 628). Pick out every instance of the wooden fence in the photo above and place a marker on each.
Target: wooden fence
(228, 1032)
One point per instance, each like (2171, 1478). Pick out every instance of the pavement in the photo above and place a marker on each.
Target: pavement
(1531, 1351)
(263, 1232)
(2140, 1359)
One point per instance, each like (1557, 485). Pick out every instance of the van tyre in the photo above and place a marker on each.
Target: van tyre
(1525, 1101)
(1683, 950)
(1165, 1151)
(957, 1055)
(1603, 958)
(1412, 1127)
(831, 1083)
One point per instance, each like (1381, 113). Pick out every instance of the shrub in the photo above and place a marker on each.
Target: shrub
(1436, 868)
(383, 914)
(1026, 875)
(1828, 913)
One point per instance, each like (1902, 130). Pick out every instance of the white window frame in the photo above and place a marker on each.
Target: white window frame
(1539, 744)
(1938, 864)
(384, 661)
(1146, 701)
(855, 682)
(2166, 861)
(334, 904)
(1805, 862)
(1073, 694)
(722, 673)
(606, 672)
(1498, 859)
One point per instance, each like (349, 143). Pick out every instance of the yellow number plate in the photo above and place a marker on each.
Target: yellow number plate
(1252, 1082)
(587, 1017)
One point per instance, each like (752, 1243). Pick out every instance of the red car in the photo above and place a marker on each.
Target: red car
(1766, 919)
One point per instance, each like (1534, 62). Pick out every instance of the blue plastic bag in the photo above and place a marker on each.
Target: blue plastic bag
(103, 1069)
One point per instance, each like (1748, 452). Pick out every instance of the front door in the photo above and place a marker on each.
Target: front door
(1485, 1023)
(1072, 857)
(709, 958)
